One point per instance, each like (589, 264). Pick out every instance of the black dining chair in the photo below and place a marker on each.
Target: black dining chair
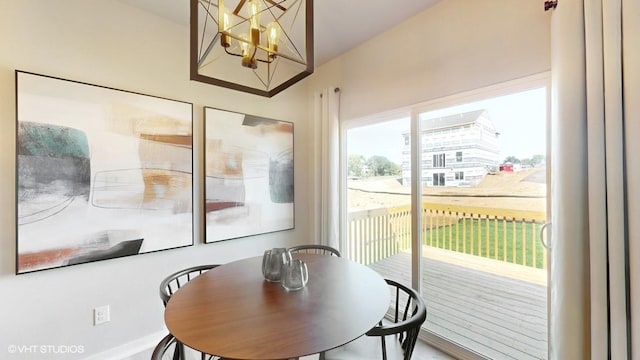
(166, 349)
(402, 324)
(175, 281)
(315, 249)
(169, 348)
(168, 287)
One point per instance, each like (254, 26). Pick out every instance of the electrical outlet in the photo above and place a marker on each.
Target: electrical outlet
(101, 315)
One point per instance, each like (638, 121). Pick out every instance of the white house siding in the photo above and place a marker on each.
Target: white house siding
(459, 149)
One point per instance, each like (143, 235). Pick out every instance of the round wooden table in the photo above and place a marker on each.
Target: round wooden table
(232, 312)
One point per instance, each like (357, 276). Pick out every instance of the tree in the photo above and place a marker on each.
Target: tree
(381, 166)
(512, 159)
(355, 165)
(537, 159)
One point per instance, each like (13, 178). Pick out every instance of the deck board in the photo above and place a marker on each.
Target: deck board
(497, 316)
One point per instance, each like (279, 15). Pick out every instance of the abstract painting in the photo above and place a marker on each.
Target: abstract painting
(101, 173)
(248, 175)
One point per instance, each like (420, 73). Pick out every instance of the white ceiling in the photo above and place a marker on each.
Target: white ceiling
(339, 25)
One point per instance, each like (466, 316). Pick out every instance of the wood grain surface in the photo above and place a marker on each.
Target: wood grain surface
(231, 311)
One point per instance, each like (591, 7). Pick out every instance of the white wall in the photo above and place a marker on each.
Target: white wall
(452, 47)
(112, 44)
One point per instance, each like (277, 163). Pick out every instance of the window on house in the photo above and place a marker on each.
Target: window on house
(459, 156)
(439, 161)
(459, 175)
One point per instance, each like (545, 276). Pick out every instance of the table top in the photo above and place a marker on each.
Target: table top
(232, 312)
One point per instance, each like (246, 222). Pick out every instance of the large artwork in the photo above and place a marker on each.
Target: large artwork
(101, 173)
(248, 175)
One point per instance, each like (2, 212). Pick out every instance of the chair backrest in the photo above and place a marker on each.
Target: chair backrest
(166, 348)
(175, 281)
(409, 313)
(315, 249)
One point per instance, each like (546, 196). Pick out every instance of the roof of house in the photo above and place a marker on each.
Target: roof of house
(452, 120)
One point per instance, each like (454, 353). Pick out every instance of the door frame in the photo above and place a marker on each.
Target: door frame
(531, 82)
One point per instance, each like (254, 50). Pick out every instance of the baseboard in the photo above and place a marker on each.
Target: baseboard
(128, 350)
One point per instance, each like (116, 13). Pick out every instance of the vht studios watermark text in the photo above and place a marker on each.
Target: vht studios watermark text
(45, 349)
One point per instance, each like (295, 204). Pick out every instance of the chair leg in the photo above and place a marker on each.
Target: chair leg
(384, 348)
(178, 353)
(321, 357)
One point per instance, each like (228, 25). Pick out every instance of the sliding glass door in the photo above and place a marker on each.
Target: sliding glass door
(482, 166)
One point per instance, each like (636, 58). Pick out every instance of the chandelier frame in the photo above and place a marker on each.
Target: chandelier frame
(200, 51)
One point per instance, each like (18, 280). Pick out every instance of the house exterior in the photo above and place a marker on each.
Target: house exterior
(457, 150)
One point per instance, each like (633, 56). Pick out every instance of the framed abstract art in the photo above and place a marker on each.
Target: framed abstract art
(101, 173)
(248, 175)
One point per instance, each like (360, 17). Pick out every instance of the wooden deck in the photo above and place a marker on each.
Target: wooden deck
(497, 316)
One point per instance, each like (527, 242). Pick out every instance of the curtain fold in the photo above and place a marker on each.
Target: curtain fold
(327, 120)
(597, 198)
(569, 288)
(631, 108)
(590, 281)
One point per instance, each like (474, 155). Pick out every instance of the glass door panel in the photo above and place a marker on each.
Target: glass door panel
(378, 226)
(484, 203)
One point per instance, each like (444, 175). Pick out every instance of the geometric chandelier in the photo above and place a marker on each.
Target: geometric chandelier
(257, 46)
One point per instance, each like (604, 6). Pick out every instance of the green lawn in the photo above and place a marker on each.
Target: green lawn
(490, 238)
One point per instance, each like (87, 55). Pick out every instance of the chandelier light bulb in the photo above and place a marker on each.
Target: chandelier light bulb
(254, 20)
(224, 24)
(273, 37)
(248, 52)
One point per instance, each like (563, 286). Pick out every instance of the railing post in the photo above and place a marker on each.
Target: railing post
(534, 244)
(495, 237)
(457, 220)
(514, 242)
(487, 233)
(448, 218)
(471, 233)
(504, 238)
(524, 242)
(464, 232)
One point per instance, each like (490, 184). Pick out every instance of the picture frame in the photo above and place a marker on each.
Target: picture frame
(101, 173)
(249, 175)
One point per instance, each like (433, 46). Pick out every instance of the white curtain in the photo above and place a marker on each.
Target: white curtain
(327, 146)
(631, 108)
(594, 81)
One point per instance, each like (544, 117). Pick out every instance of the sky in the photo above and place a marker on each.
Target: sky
(520, 118)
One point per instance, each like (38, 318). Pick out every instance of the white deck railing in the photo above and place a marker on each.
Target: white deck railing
(501, 234)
